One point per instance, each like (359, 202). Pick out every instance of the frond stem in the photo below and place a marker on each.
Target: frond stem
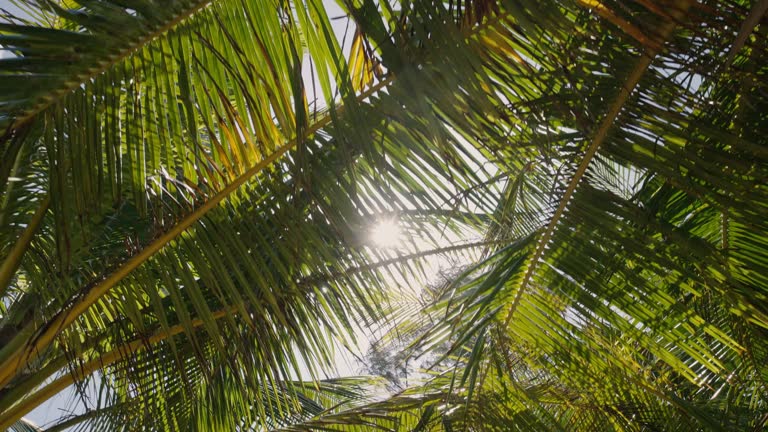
(598, 138)
(27, 404)
(19, 357)
(103, 66)
(13, 260)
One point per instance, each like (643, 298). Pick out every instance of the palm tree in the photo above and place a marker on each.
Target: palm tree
(187, 187)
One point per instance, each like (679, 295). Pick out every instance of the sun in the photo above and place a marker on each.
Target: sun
(386, 234)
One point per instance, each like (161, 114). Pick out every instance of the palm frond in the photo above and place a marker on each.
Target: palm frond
(206, 233)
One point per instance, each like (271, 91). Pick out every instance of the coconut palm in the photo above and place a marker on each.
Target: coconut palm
(187, 187)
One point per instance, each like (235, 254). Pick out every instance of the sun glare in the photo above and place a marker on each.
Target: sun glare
(386, 234)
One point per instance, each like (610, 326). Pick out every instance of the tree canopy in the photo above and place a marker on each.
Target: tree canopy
(187, 189)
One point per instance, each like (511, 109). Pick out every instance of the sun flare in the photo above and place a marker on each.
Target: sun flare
(386, 234)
